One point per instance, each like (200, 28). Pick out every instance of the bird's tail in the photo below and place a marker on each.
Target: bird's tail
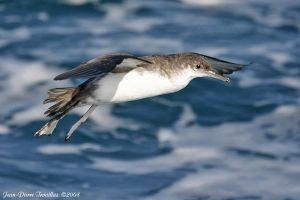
(65, 99)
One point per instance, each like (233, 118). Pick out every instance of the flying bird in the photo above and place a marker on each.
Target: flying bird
(122, 77)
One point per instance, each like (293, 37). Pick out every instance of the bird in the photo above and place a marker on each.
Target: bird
(123, 77)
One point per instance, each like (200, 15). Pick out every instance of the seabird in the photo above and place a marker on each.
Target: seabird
(123, 77)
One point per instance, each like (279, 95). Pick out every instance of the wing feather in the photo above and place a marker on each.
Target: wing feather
(102, 65)
(222, 66)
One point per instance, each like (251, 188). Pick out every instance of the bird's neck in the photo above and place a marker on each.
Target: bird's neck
(182, 78)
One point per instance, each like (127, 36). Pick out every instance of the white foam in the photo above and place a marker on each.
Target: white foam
(4, 130)
(77, 2)
(142, 25)
(104, 119)
(33, 113)
(213, 51)
(208, 2)
(52, 149)
(118, 17)
(283, 119)
(276, 17)
(21, 76)
(195, 145)
(15, 35)
(59, 149)
(222, 184)
(249, 79)
(43, 16)
(290, 81)
(152, 44)
(247, 175)
(186, 117)
(23, 90)
(179, 157)
(275, 51)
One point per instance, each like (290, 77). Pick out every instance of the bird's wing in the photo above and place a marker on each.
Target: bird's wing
(222, 66)
(102, 65)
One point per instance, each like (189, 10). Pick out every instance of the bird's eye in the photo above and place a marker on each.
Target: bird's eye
(198, 66)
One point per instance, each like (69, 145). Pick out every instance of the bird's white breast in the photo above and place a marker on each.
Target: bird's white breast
(121, 87)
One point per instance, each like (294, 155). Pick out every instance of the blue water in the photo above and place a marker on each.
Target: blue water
(209, 141)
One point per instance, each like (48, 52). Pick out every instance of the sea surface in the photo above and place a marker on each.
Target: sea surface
(210, 141)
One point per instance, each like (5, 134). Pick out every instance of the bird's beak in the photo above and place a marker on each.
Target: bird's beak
(217, 76)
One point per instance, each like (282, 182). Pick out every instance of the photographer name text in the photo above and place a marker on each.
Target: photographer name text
(39, 194)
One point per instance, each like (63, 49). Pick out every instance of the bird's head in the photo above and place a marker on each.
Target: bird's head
(200, 65)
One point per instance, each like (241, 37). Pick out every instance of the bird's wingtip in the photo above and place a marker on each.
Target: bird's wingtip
(250, 63)
(58, 78)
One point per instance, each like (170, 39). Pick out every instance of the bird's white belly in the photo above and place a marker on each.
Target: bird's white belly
(121, 87)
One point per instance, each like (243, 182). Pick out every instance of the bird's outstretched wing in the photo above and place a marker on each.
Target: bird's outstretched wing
(102, 65)
(221, 66)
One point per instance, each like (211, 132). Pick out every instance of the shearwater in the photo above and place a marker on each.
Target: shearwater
(122, 77)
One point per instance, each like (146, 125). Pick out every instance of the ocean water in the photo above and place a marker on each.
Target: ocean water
(210, 141)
